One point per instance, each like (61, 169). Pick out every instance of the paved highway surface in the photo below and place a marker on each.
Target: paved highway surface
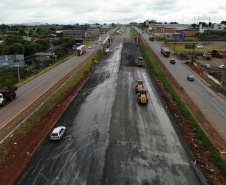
(34, 93)
(110, 138)
(213, 107)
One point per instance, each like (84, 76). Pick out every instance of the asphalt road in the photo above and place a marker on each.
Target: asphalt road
(110, 138)
(33, 93)
(212, 106)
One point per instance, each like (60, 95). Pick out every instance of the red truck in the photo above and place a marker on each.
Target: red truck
(81, 49)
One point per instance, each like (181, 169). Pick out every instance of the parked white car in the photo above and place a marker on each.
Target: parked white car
(222, 67)
(57, 133)
(199, 46)
(89, 47)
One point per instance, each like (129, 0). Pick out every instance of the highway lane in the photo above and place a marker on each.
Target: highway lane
(110, 138)
(31, 90)
(212, 106)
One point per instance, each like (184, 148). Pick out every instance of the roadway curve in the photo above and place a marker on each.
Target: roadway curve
(34, 92)
(212, 106)
(110, 138)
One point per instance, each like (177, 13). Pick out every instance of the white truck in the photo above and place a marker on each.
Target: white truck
(81, 49)
(7, 93)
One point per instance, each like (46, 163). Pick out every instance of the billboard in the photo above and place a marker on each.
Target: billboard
(175, 36)
(11, 61)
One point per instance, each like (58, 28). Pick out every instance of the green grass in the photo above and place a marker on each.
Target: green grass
(205, 142)
(33, 119)
(134, 32)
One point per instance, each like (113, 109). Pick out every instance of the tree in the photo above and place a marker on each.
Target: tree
(3, 27)
(30, 32)
(193, 25)
(11, 39)
(223, 22)
(13, 49)
(52, 29)
(22, 32)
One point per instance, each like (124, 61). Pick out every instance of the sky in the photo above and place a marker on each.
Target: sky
(111, 11)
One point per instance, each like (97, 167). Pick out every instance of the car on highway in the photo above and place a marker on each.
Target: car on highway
(172, 61)
(222, 67)
(208, 66)
(57, 133)
(199, 46)
(190, 78)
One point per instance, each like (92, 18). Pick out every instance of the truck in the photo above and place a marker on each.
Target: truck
(140, 61)
(81, 49)
(151, 38)
(142, 97)
(7, 94)
(207, 56)
(165, 51)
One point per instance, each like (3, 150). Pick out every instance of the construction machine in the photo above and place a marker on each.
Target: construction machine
(142, 97)
(139, 86)
(140, 61)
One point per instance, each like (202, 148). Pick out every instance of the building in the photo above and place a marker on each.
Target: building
(93, 32)
(76, 34)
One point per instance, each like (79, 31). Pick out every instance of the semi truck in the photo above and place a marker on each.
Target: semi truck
(165, 51)
(81, 49)
(7, 94)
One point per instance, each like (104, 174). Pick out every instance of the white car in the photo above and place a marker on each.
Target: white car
(89, 47)
(199, 46)
(57, 133)
(222, 67)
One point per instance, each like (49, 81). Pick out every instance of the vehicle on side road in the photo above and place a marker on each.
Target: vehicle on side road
(222, 67)
(165, 51)
(199, 46)
(7, 94)
(151, 38)
(172, 61)
(187, 62)
(139, 86)
(81, 49)
(190, 78)
(57, 133)
(140, 61)
(207, 56)
(208, 66)
(89, 47)
(142, 97)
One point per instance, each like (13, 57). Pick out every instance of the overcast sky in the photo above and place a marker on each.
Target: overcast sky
(111, 11)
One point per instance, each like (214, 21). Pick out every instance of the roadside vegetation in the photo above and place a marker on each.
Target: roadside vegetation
(134, 32)
(53, 100)
(204, 142)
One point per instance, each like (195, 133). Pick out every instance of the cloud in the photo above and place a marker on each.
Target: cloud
(117, 11)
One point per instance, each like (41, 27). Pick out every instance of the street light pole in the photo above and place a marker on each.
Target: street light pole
(221, 86)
